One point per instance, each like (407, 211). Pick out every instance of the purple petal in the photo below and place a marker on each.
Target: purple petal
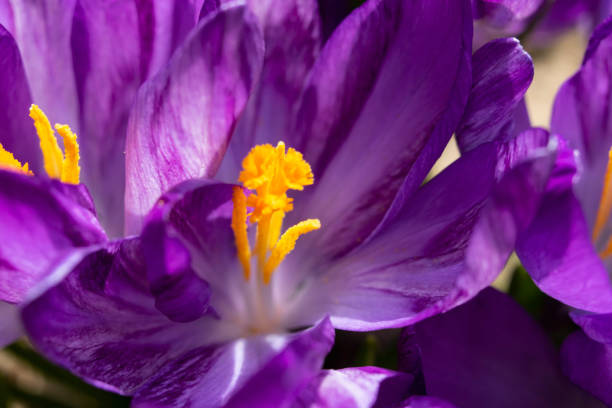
(42, 31)
(439, 252)
(419, 401)
(359, 387)
(14, 104)
(502, 72)
(557, 251)
(212, 6)
(490, 353)
(94, 315)
(262, 369)
(500, 12)
(193, 218)
(588, 364)
(184, 116)
(7, 20)
(282, 379)
(40, 220)
(581, 115)
(115, 47)
(381, 105)
(291, 32)
(503, 18)
(10, 327)
(596, 326)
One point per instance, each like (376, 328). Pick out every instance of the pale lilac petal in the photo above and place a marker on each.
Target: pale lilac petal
(502, 72)
(382, 88)
(10, 327)
(283, 378)
(40, 219)
(588, 364)
(189, 226)
(253, 371)
(17, 133)
(183, 118)
(357, 387)
(490, 353)
(115, 46)
(42, 30)
(439, 252)
(291, 31)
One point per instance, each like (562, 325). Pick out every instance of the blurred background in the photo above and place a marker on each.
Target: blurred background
(28, 380)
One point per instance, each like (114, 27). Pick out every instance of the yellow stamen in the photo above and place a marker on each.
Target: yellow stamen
(52, 154)
(261, 241)
(65, 169)
(607, 250)
(286, 244)
(9, 162)
(239, 226)
(271, 172)
(70, 166)
(276, 223)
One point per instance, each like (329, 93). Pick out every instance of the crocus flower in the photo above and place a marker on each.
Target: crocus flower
(209, 290)
(567, 249)
(65, 56)
(490, 353)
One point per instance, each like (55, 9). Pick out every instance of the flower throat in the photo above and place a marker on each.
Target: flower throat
(269, 171)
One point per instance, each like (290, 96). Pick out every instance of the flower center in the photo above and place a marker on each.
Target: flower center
(65, 168)
(271, 172)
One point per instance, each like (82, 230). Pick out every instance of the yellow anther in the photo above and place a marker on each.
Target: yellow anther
(257, 167)
(239, 226)
(296, 171)
(70, 167)
(271, 172)
(52, 154)
(9, 162)
(286, 244)
(65, 169)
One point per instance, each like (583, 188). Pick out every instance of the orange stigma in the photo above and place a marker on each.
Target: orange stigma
(271, 172)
